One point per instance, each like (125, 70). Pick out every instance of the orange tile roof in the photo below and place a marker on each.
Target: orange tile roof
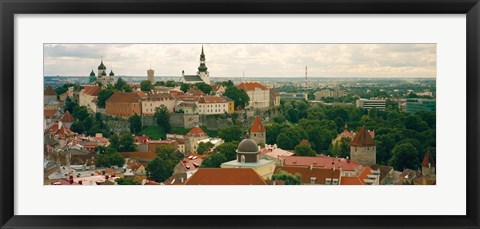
(92, 90)
(358, 180)
(195, 91)
(196, 131)
(250, 86)
(124, 97)
(257, 125)
(139, 155)
(307, 173)
(225, 176)
(362, 139)
(428, 159)
(62, 131)
(67, 117)
(49, 113)
(49, 91)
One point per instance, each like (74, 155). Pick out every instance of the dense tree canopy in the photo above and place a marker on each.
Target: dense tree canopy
(146, 85)
(228, 149)
(231, 133)
(290, 179)
(162, 118)
(239, 96)
(405, 156)
(103, 95)
(204, 147)
(214, 160)
(304, 150)
(135, 122)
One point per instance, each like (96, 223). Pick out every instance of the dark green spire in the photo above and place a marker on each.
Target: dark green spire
(111, 73)
(202, 67)
(102, 66)
(92, 73)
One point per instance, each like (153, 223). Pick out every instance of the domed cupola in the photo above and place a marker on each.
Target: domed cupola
(92, 73)
(111, 73)
(102, 66)
(247, 151)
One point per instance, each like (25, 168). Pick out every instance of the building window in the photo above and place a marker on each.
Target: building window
(313, 180)
(328, 181)
(242, 158)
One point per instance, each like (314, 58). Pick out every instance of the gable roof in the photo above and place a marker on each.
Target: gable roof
(428, 159)
(225, 176)
(212, 99)
(61, 130)
(362, 139)
(358, 180)
(92, 90)
(196, 131)
(307, 173)
(257, 125)
(250, 86)
(124, 97)
(49, 91)
(49, 113)
(67, 117)
(192, 78)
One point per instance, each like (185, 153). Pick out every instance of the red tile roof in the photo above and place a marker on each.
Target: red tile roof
(250, 86)
(196, 131)
(428, 159)
(92, 90)
(141, 94)
(304, 142)
(194, 91)
(141, 139)
(67, 117)
(257, 125)
(358, 180)
(139, 155)
(225, 176)
(307, 173)
(61, 130)
(50, 113)
(124, 97)
(49, 91)
(321, 161)
(362, 139)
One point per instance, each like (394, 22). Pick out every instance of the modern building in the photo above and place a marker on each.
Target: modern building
(329, 94)
(258, 132)
(259, 95)
(363, 148)
(379, 104)
(124, 104)
(413, 105)
(202, 76)
(293, 96)
(248, 157)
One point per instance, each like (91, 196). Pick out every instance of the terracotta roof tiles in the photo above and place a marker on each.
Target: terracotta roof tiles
(250, 86)
(67, 117)
(225, 176)
(257, 125)
(362, 139)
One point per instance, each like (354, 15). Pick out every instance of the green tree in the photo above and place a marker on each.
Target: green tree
(205, 88)
(404, 156)
(214, 160)
(204, 147)
(103, 95)
(161, 168)
(285, 142)
(170, 83)
(239, 96)
(109, 159)
(135, 122)
(228, 149)
(119, 85)
(185, 87)
(304, 150)
(162, 118)
(122, 143)
(289, 178)
(292, 115)
(231, 133)
(126, 181)
(146, 85)
(69, 105)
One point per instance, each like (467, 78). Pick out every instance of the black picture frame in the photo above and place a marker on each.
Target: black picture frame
(9, 8)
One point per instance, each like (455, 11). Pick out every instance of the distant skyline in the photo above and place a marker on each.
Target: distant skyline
(255, 60)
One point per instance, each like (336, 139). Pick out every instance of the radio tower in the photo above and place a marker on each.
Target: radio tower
(305, 83)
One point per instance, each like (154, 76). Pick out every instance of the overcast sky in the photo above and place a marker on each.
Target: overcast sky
(256, 60)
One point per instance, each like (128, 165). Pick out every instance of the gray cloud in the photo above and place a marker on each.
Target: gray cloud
(231, 60)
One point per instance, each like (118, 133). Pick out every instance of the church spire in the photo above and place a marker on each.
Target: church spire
(202, 67)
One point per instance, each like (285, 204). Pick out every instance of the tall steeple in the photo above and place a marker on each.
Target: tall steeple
(202, 67)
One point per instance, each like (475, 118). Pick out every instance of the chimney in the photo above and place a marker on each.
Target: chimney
(80, 182)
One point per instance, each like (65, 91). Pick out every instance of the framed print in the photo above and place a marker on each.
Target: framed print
(247, 114)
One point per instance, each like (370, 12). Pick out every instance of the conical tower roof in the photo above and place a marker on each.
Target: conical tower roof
(427, 158)
(362, 139)
(257, 125)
